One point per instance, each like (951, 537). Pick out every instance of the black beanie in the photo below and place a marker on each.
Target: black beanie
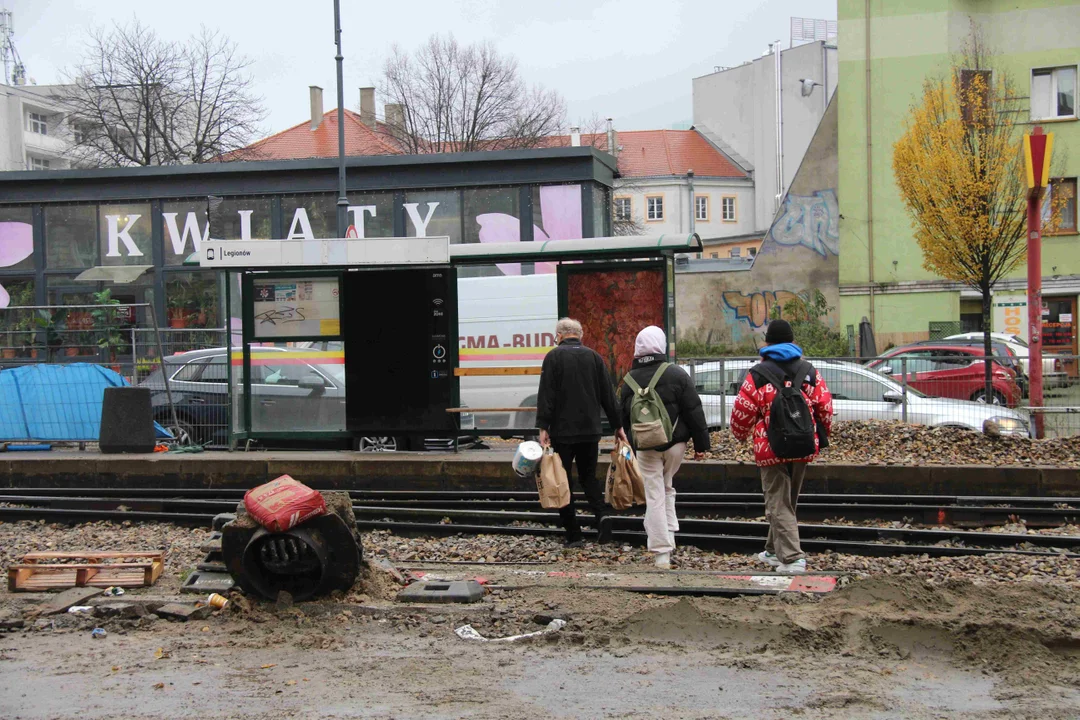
(779, 331)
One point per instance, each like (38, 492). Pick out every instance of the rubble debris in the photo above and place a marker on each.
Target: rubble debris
(466, 632)
(121, 611)
(183, 613)
(65, 600)
(881, 442)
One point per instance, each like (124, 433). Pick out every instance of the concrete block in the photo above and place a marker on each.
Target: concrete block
(66, 599)
(220, 521)
(183, 613)
(214, 543)
(457, 591)
(203, 583)
(123, 611)
(213, 562)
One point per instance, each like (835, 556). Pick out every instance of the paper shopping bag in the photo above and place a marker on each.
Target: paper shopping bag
(551, 482)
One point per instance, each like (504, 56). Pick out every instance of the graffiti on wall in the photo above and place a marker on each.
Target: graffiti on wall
(756, 307)
(812, 221)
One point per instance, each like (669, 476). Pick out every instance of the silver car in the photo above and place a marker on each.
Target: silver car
(859, 393)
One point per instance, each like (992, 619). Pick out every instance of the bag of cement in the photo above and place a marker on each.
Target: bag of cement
(551, 482)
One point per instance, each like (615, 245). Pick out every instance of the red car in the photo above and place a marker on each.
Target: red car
(951, 371)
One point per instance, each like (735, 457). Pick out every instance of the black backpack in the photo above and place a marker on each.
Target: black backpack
(791, 428)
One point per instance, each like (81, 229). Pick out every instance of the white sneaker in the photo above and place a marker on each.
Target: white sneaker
(795, 568)
(663, 560)
(768, 558)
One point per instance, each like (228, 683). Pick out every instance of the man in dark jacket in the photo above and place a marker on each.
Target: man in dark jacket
(574, 386)
(658, 466)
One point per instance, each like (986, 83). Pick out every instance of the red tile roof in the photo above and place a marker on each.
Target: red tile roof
(652, 153)
(300, 141)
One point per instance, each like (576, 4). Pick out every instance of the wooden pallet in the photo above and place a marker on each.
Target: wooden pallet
(44, 571)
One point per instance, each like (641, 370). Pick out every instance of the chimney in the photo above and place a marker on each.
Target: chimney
(395, 115)
(316, 106)
(367, 106)
(575, 136)
(612, 148)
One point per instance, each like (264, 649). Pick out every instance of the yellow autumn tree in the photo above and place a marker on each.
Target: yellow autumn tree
(959, 168)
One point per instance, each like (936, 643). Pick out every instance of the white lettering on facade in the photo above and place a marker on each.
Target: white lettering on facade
(420, 226)
(191, 229)
(117, 236)
(245, 224)
(358, 212)
(300, 218)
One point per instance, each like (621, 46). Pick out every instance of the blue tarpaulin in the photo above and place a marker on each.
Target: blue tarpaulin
(56, 402)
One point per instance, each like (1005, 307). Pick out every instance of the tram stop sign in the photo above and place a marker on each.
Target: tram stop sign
(1037, 150)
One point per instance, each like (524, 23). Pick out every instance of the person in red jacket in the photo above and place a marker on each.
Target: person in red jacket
(782, 477)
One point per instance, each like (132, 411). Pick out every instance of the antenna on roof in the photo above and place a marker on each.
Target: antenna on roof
(14, 70)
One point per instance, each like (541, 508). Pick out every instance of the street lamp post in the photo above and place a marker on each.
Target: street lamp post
(343, 201)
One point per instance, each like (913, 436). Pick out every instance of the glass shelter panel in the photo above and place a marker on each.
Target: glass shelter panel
(16, 240)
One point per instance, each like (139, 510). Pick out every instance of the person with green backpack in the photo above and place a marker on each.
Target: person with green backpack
(661, 412)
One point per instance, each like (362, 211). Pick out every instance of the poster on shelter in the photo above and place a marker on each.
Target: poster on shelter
(613, 306)
(297, 307)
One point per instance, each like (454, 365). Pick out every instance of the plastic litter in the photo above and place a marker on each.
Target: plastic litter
(114, 590)
(98, 633)
(80, 609)
(468, 632)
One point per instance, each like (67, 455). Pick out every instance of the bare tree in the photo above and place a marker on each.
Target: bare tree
(594, 133)
(138, 100)
(453, 98)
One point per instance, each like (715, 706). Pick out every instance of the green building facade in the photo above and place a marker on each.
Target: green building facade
(886, 50)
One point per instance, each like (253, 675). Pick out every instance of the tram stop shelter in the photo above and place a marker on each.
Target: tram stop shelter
(373, 342)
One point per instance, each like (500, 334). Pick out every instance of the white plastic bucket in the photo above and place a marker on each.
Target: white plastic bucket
(527, 458)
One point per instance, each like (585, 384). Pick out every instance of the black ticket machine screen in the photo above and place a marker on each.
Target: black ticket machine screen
(398, 350)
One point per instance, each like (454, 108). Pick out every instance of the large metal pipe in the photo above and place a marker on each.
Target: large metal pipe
(869, 176)
(779, 126)
(343, 201)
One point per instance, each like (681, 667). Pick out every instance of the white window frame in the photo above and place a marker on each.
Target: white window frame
(37, 123)
(735, 252)
(36, 163)
(724, 215)
(701, 202)
(629, 208)
(1048, 200)
(651, 215)
(1052, 72)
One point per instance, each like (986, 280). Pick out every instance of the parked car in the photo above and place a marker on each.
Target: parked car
(1054, 376)
(859, 393)
(1000, 351)
(292, 391)
(950, 371)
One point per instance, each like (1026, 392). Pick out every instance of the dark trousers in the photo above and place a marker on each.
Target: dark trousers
(586, 454)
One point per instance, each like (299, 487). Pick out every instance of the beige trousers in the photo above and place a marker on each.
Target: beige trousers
(781, 485)
(658, 471)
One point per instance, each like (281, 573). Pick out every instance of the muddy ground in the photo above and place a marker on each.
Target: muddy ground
(963, 642)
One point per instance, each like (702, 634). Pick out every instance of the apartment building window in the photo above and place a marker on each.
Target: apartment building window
(654, 205)
(727, 208)
(1053, 93)
(736, 252)
(38, 164)
(38, 124)
(715, 255)
(1060, 200)
(701, 208)
(623, 209)
(753, 252)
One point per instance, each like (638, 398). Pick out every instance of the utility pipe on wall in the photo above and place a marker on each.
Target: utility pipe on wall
(869, 176)
(779, 127)
(693, 201)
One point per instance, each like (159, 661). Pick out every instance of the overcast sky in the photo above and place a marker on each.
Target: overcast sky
(632, 60)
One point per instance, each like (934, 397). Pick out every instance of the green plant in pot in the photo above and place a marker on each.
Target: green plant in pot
(180, 297)
(18, 332)
(52, 325)
(107, 323)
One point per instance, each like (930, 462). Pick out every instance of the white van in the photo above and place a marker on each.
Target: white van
(505, 321)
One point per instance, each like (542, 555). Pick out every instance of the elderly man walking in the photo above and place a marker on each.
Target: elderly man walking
(574, 387)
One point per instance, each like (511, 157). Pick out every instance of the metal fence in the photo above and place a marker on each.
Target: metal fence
(946, 389)
(119, 337)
